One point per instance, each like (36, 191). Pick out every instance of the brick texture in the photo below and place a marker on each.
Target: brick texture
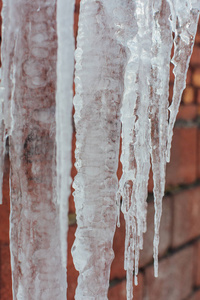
(72, 274)
(175, 277)
(146, 255)
(187, 112)
(5, 274)
(182, 168)
(198, 154)
(186, 220)
(197, 265)
(194, 296)
(118, 292)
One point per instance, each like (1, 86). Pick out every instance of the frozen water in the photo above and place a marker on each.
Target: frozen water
(143, 31)
(37, 57)
(122, 73)
(99, 83)
(146, 131)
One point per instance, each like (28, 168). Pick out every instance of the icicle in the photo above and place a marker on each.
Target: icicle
(135, 156)
(3, 83)
(38, 213)
(158, 114)
(99, 89)
(2, 141)
(187, 15)
(65, 67)
(144, 112)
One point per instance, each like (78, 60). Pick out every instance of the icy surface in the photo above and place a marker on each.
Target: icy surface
(146, 133)
(132, 40)
(185, 31)
(65, 69)
(99, 87)
(32, 54)
(2, 140)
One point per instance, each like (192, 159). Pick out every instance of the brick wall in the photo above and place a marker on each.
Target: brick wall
(179, 250)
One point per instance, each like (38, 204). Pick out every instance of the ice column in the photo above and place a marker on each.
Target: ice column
(99, 75)
(33, 48)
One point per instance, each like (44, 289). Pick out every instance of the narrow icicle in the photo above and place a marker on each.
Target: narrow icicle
(65, 68)
(2, 141)
(186, 16)
(135, 156)
(158, 112)
(4, 81)
(31, 53)
(99, 89)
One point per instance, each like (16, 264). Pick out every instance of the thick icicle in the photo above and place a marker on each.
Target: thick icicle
(99, 89)
(30, 54)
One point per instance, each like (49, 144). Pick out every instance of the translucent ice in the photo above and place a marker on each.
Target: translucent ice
(99, 73)
(146, 133)
(37, 57)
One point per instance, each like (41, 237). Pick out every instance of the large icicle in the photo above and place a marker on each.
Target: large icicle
(30, 53)
(99, 88)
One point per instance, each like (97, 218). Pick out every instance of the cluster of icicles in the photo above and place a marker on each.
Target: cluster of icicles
(122, 71)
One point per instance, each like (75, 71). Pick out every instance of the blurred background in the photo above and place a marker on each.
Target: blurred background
(179, 250)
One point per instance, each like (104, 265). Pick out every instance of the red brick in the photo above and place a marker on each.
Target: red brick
(170, 92)
(4, 219)
(196, 78)
(195, 58)
(189, 76)
(76, 18)
(118, 292)
(117, 267)
(5, 207)
(186, 212)
(195, 296)
(197, 39)
(73, 174)
(175, 278)
(182, 168)
(188, 95)
(171, 73)
(146, 254)
(150, 183)
(72, 274)
(187, 112)
(5, 275)
(198, 96)
(197, 264)
(183, 165)
(198, 154)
